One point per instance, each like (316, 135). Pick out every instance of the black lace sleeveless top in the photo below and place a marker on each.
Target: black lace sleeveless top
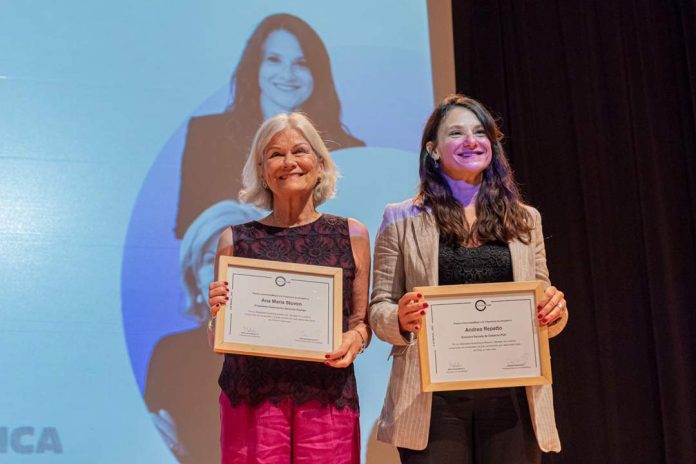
(254, 380)
(490, 262)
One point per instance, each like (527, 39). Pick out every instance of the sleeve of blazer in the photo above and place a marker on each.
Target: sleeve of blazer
(541, 269)
(387, 280)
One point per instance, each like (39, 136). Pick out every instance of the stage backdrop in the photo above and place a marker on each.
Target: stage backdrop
(112, 115)
(599, 109)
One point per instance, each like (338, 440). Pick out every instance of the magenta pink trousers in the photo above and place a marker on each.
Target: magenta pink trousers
(288, 433)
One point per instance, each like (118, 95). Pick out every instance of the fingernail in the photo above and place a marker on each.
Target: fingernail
(326, 362)
(544, 320)
(422, 313)
(326, 356)
(425, 305)
(417, 327)
(420, 295)
(227, 298)
(539, 306)
(226, 283)
(540, 316)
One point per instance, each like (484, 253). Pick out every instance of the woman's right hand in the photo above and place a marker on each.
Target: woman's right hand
(411, 310)
(218, 295)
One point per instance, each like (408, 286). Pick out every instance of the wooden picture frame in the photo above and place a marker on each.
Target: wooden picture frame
(279, 310)
(476, 336)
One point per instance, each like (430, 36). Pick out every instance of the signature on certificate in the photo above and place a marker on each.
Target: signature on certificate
(249, 332)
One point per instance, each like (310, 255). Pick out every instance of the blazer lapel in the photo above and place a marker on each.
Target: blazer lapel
(520, 263)
(427, 239)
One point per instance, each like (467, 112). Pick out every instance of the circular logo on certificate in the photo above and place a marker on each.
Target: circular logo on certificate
(280, 281)
(480, 305)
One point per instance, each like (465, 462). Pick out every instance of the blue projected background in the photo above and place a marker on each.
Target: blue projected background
(95, 101)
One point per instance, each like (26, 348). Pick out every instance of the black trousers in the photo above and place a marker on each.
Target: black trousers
(488, 426)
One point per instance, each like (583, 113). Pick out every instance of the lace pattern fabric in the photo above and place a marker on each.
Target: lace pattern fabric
(490, 262)
(253, 380)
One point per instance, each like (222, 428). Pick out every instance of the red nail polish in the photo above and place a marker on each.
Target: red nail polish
(416, 327)
(422, 313)
(540, 316)
(227, 298)
(544, 320)
(225, 282)
(420, 295)
(539, 306)
(326, 356)
(425, 305)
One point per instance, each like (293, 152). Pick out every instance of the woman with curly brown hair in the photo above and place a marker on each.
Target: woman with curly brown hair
(467, 224)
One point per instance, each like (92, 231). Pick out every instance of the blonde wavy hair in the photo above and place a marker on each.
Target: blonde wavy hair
(252, 175)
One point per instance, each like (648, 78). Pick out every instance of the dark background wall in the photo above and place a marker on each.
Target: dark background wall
(598, 103)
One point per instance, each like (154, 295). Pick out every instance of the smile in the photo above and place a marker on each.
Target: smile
(286, 87)
(292, 174)
(469, 154)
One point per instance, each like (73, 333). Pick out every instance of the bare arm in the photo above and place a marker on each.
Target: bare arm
(360, 242)
(358, 330)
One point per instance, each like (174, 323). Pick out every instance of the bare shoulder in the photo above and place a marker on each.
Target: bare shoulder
(357, 229)
(225, 244)
(360, 242)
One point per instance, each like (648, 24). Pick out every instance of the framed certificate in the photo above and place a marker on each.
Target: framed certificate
(279, 310)
(483, 336)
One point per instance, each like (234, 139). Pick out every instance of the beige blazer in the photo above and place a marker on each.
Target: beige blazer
(406, 256)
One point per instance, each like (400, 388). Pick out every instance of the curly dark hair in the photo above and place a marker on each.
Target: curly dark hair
(500, 212)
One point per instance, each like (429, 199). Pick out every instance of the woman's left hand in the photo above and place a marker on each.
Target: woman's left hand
(346, 353)
(552, 306)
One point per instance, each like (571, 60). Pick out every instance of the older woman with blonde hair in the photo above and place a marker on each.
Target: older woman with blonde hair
(278, 410)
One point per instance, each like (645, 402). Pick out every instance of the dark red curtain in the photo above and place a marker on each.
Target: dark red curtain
(598, 103)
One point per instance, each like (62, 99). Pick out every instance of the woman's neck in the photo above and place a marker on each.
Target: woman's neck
(463, 191)
(289, 213)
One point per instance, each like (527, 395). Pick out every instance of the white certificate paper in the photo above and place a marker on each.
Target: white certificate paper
(279, 309)
(482, 338)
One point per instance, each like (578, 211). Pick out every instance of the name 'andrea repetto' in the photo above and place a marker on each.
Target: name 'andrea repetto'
(482, 329)
(281, 302)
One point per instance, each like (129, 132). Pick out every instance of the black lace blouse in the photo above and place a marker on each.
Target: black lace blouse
(490, 262)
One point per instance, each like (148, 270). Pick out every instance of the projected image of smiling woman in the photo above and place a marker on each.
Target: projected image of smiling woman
(285, 80)
(284, 67)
